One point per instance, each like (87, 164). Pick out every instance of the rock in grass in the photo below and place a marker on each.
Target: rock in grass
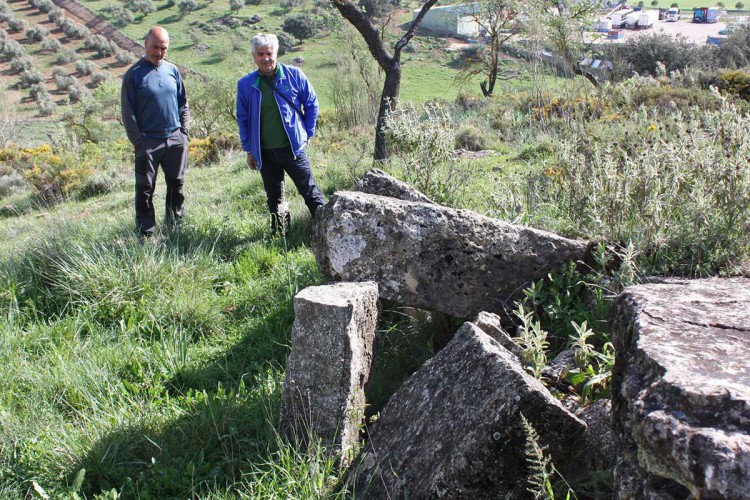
(432, 257)
(454, 429)
(681, 389)
(332, 342)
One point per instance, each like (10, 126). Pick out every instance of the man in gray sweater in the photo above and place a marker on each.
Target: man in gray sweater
(156, 117)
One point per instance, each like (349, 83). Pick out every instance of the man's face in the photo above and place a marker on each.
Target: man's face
(157, 45)
(265, 59)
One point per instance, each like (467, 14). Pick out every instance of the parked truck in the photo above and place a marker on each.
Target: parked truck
(618, 18)
(706, 14)
(673, 15)
(647, 18)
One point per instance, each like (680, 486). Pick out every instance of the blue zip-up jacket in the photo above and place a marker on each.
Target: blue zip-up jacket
(291, 82)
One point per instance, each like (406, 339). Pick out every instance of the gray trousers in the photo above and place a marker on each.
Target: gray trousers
(171, 154)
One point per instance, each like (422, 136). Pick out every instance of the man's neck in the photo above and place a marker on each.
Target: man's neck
(269, 74)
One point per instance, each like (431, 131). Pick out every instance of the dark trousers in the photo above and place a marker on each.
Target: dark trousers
(278, 161)
(171, 154)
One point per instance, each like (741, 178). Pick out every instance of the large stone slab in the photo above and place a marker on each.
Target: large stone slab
(432, 257)
(454, 429)
(681, 389)
(332, 342)
(378, 182)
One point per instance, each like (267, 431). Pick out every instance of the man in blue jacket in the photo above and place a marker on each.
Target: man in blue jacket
(276, 110)
(156, 117)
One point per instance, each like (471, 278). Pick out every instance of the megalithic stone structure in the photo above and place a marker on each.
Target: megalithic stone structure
(432, 257)
(329, 365)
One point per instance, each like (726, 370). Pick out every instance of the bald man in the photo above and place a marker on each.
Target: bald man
(156, 117)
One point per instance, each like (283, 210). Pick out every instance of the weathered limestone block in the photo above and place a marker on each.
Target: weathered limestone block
(378, 182)
(332, 342)
(681, 389)
(432, 257)
(491, 324)
(454, 429)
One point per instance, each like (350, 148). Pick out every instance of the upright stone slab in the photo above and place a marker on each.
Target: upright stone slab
(681, 390)
(432, 257)
(378, 182)
(454, 429)
(332, 341)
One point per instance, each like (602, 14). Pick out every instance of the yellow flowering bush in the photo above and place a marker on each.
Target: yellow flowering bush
(202, 151)
(52, 173)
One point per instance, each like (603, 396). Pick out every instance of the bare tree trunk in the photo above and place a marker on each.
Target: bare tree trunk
(388, 99)
(390, 63)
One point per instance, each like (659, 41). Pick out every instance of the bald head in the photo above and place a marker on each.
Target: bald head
(157, 44)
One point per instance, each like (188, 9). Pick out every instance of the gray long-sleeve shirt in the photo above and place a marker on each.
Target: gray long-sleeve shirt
(154, 101)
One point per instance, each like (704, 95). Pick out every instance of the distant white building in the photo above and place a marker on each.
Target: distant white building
(451, 20)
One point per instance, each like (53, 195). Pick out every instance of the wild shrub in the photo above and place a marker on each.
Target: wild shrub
(422, 139)
(301, 26)
(378, 8)
(203, 152)
(470, 137)
(286, 42)
(734, 53)
(643, 54)
(736, 83)
(235, 5)
(213, 105)
(11, 182)
(289, 4)
(356, 93)
(51, 172)
(187, 6)
(37, 33)
(142, 6)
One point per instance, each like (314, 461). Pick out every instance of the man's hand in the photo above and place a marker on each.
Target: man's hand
(252, 162)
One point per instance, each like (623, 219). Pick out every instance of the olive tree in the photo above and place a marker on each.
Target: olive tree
(497, 21)
(389, 62)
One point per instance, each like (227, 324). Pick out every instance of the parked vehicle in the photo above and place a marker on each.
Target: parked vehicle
(673, 15)
(706, 14)
(618, 18)
(647, 18)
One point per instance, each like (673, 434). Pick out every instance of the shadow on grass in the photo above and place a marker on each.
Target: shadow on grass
(226, 432)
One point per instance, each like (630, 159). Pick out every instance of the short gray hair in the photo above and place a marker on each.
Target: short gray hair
(264, 40)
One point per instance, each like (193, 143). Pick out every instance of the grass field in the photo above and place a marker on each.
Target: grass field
(426, 74)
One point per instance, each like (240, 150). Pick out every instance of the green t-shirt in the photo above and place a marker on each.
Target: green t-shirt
(272, 133)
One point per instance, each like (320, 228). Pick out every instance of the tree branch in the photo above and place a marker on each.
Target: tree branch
(369, 32)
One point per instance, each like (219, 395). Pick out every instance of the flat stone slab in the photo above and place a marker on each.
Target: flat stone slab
(329, 364)
(432, 257)
(454, 429)
(681, 389)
